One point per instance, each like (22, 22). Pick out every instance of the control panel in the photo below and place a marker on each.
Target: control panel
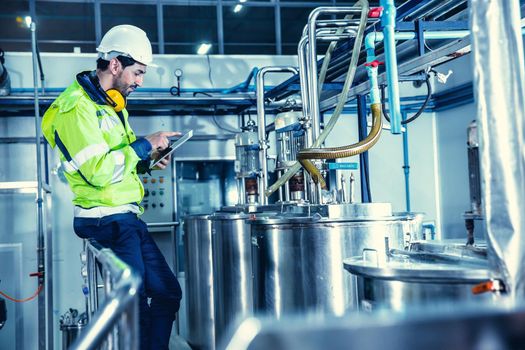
(158, 204)
(158, 196)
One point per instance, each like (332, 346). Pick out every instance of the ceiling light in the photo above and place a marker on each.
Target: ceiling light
(237, 8)
(28, 20)
(242, 1)
(203, 49)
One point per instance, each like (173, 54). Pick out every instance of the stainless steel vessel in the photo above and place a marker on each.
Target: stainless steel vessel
(427, 273)
(298, 256)
(232, 269)
(199, 282)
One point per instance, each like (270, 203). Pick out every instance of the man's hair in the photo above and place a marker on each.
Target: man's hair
(102, 64)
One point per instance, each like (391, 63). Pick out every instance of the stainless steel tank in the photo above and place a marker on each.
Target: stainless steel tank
(426, 274)
(232, 269)
(298, 256)
(199, 282)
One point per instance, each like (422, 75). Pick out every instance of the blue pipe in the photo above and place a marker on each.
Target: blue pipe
(432, 227)
(388, 20)
(364, 171)
(406, 163)
(244, 86)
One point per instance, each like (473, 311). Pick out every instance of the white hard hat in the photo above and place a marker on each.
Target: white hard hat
(126, 40)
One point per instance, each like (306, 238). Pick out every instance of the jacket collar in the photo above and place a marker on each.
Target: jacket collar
(88, 80)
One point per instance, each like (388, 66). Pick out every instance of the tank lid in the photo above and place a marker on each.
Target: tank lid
(197, 217)
(407, 266)
(300, 212)
(451, 247)
(343, 210)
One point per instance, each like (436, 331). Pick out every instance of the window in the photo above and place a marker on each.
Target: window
(250, 29)
(14, 34)
(54, 17)
(293, 20)
(185, 27)
(142, 16)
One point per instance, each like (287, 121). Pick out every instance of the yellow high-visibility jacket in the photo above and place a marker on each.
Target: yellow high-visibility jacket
(95, 147)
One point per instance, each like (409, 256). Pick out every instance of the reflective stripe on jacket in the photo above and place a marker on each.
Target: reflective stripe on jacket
(99, 163)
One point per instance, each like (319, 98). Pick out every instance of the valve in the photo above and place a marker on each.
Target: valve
(374, 64)
(375, 12)
(493, 285)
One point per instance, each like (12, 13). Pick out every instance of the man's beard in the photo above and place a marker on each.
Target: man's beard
(123, 88)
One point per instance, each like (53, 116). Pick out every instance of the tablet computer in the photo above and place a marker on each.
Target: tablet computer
(174, 145)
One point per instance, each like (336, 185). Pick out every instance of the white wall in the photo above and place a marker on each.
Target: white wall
(453, 164)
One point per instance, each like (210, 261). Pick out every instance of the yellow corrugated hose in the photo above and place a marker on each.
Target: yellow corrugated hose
(364, 145)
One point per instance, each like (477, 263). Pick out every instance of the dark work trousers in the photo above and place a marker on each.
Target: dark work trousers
(128, 237)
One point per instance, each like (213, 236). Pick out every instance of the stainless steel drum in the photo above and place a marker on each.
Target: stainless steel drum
(426, 274)
(232, 269)
(199, 282)
(298, 256)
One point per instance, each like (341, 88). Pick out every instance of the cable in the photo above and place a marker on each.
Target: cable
(40, 287)
(419, 112)
(209, 70)
(176, 89)
(214, 117)
(222, 127)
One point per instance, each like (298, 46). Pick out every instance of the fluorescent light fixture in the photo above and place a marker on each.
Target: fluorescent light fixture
(28, 20)
(203, 49)
(237, 8)
(242, 1)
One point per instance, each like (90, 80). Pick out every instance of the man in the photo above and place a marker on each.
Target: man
(101, 157)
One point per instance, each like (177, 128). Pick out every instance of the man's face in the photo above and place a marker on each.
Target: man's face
(129, 78)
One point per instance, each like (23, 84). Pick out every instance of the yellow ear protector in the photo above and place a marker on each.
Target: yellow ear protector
(115, 99)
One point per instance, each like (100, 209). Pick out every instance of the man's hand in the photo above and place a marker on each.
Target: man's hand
(165, 162)
(159, 140)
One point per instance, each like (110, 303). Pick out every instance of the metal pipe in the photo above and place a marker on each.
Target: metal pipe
(339, 108)
(312, 61)
(499, 89)
(303, 79)
(287, 192)
(338, 22)
(279, 174)
(45, 338)
(388, 20)
(406, 163)
(120, 304)
(373, 37)
(261, 127)
(119, 301)
(110, 339)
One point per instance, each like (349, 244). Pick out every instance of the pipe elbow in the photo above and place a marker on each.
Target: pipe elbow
(370, 42)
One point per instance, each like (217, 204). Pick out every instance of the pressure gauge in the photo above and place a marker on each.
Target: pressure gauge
(178, 72)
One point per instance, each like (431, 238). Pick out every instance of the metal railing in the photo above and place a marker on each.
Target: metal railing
(115, 324)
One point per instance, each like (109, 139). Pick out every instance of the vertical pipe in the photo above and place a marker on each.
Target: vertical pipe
(406, 163)
(313, 89)
(44, 299)
(98, 21)
(278, 36)
(363, 157)
(106, 275)
(499, 88)
(305, 97)
(160, 27)
(287, 192)
(388, 20)
(220, 27)
(280, 188)
(261, 127)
